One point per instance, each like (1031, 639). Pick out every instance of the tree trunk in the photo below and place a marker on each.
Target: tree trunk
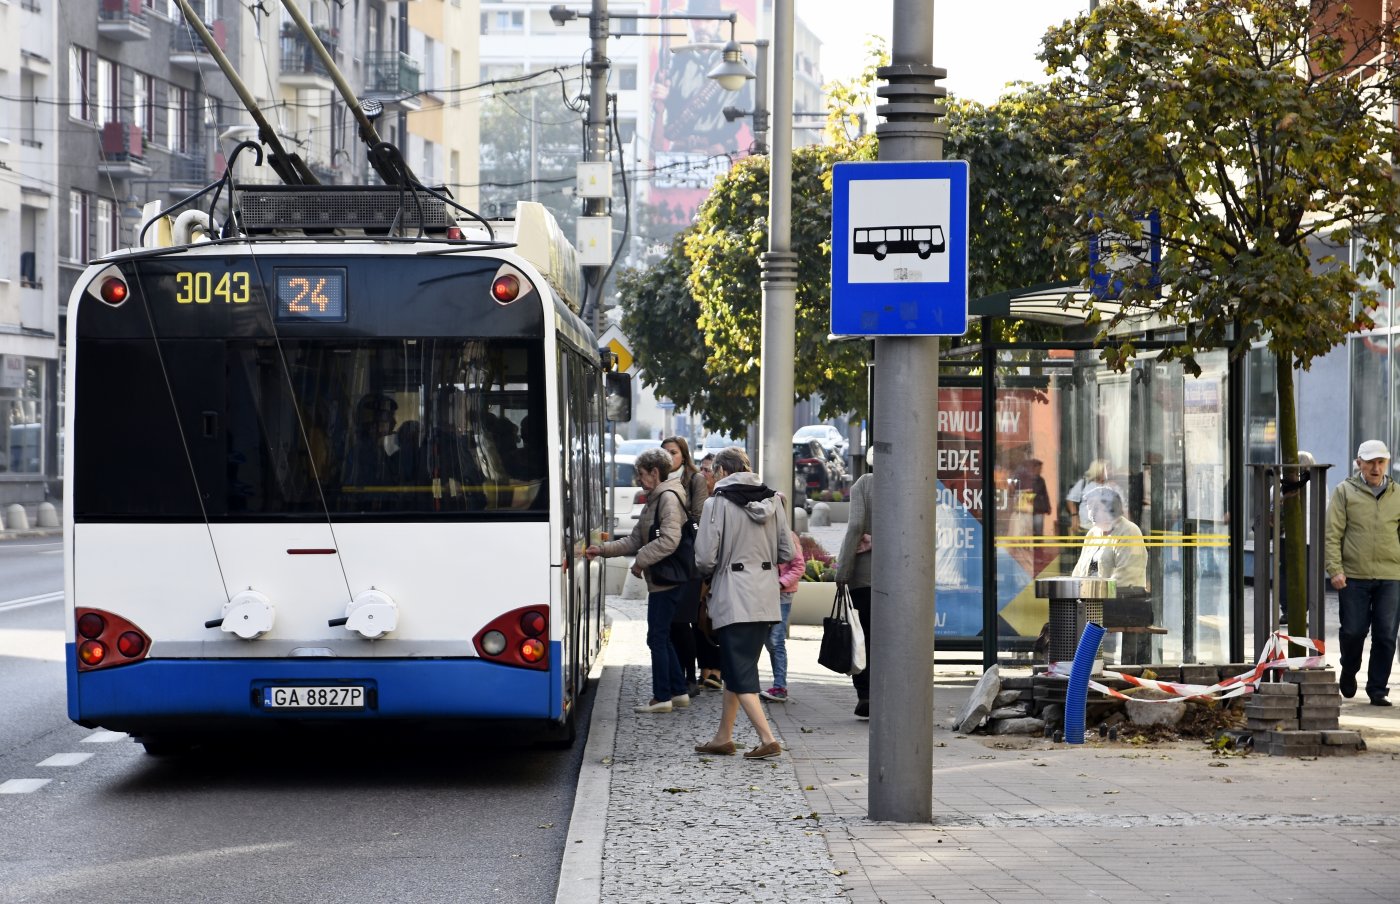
(1292, 551)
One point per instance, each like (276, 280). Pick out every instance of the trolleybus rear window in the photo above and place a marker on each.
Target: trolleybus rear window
(250, 428)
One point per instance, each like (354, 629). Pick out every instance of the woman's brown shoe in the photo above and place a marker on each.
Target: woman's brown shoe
(764, 751)
(725, 749)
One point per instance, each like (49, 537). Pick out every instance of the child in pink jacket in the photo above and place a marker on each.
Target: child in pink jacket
(789, 574)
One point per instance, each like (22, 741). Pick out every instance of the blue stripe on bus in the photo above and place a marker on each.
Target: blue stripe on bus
(222, 688)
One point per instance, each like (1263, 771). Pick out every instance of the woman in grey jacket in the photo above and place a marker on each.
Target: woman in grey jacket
(666, 509)
(743, 537)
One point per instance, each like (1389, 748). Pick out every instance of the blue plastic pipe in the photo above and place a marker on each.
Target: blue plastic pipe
(1076, 696)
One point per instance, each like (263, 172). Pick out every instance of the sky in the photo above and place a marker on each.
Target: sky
(982, 43)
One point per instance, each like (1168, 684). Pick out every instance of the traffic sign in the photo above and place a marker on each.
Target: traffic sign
(899, 248)
(614, 339)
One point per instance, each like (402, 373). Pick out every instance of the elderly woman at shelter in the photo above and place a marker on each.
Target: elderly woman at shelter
(666, 509)
(1114, 548)
(743, 539)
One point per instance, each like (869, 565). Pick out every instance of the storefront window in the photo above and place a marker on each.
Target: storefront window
(1150, 443)
(22, 403)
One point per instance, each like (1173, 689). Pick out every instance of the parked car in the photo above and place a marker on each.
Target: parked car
(829, 437)
(635, 447)
(624, 494)
(810, 463)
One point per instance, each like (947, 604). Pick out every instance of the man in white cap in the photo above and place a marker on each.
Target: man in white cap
(1363, 558)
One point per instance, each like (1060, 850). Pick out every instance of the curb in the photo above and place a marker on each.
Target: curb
(581, 870)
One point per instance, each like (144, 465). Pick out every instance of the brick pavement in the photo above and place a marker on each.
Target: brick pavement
(1015, 820)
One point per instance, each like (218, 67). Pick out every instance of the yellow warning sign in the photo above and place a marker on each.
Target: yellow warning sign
(624, 355)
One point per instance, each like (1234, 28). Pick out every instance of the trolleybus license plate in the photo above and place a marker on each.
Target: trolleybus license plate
(342, 697)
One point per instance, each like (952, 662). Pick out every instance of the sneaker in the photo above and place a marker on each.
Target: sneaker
(764, 751)
(654, 707)
(862, 709)
(1380, 701)
(1347, 684)
(680, 701)
(694, 688)
(776, 694)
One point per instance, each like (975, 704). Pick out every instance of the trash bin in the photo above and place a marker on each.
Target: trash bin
(1074, 602)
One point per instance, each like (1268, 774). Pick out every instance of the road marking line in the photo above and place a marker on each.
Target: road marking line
(103, 736)
(23, 785)
(65, 759)
(23, 602)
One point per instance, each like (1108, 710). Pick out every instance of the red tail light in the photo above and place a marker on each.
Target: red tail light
(113, 291)
(519, 637)
(106, 640)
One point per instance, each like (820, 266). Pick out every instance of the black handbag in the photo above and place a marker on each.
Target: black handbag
(835, 653)
(679, 566)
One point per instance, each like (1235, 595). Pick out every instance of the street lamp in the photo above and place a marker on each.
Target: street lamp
(778, 263)
(731, 73)
(597, 143)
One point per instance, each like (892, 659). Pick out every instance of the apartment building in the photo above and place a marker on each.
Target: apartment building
(30, 211)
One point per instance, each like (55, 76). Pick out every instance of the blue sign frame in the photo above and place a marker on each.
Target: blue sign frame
(899, 248)
(1105, 283)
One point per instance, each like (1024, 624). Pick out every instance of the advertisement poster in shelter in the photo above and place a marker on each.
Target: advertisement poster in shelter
(1025, 544)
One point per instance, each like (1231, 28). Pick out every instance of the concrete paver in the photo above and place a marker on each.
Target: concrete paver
(1015, 819)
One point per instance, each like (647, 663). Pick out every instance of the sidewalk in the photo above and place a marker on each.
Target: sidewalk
(1015, 819)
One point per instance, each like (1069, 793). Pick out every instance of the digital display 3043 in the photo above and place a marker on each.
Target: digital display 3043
(310, 294)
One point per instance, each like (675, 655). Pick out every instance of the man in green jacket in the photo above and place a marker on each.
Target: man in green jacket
(1363, 558)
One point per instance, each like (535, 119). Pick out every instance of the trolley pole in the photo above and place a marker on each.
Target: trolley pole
(906, 471)
(597, 140)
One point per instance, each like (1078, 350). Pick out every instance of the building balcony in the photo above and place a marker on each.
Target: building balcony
(123, 20)
(394, 79)
(187, 51)
(188, 174)
(123, 153)
(301, 66)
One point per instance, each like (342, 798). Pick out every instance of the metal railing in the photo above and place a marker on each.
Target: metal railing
(1272, 484)
(392, 72)
(298, 56)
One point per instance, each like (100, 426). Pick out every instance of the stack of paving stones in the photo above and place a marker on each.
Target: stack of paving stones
(1300, 716)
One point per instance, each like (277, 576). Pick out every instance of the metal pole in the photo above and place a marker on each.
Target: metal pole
(779, 269)
(905, 502)
(760, 103)
(597, 150)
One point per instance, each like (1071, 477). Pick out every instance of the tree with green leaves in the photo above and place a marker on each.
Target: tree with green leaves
(1259, 131)
(529, 150)
(1014, 206)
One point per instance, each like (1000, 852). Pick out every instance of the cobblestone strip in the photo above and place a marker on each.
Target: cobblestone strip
(687, 828)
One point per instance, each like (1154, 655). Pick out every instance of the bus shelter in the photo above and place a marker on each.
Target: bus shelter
(1028, 426)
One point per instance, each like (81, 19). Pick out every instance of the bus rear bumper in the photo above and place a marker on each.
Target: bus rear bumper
(163, 693)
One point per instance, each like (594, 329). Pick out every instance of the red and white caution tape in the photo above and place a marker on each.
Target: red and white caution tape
(1274, 656)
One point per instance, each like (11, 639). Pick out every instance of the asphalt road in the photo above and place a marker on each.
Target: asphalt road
(338, 818)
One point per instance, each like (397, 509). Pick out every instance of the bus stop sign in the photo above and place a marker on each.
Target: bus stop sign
(899, 248)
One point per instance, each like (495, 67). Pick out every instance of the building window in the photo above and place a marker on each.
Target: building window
(105, 223)
(627, 77)
(624, 26)
(78, 224)
(143, 104)
(21, 414)
(108, 92)
(503, 22)
(79, 68)
(177, 119)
